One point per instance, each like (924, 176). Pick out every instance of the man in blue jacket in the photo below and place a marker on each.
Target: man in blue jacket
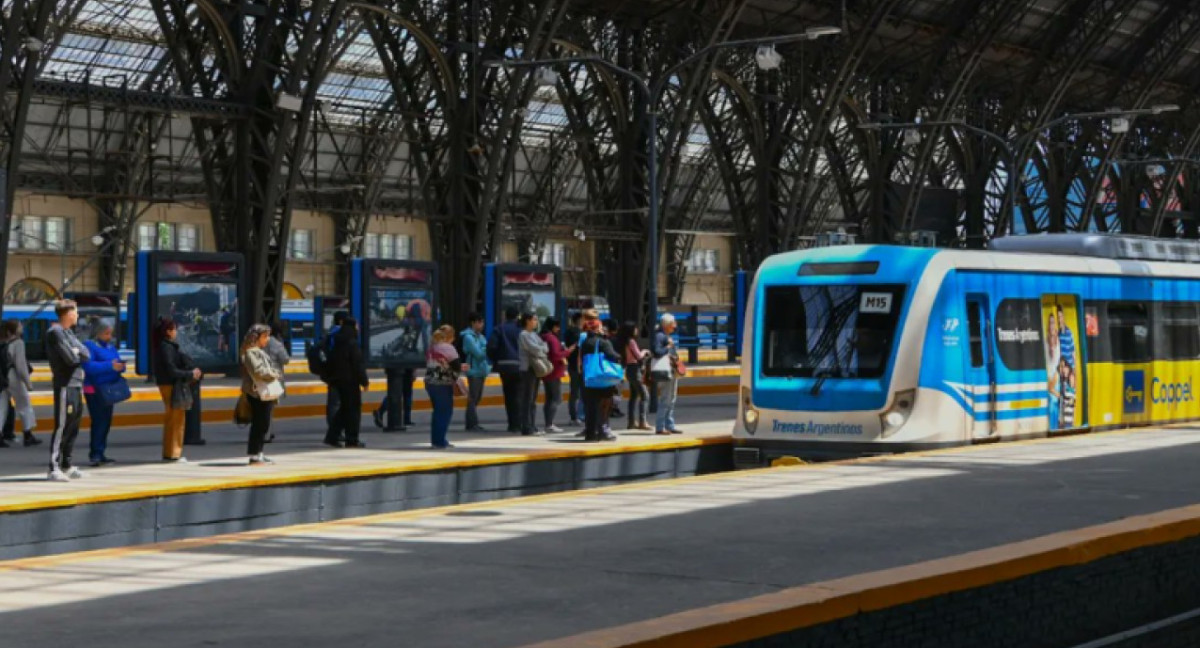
(474, 347)
(504, 353)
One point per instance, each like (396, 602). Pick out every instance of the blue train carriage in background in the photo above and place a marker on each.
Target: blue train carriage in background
(876, 349)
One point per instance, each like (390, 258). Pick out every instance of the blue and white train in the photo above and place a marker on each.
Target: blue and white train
(877, 349)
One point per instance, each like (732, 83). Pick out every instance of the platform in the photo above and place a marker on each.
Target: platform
(546, 568)
(141, 500)
(306, 396)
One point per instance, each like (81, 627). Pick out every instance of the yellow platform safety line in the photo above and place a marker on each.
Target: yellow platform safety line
(334, 473)
(312, 387)
(299, 367)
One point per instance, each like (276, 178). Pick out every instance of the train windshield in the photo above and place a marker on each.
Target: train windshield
(829, 331)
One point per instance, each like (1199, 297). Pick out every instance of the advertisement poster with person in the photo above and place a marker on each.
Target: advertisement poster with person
(1063, 365)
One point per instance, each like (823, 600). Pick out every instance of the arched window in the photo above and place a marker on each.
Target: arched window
(292, 291)
(30, 290)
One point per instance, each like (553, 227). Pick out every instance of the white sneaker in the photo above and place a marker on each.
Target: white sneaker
(58, 476)
(553, 429)
(75, 473)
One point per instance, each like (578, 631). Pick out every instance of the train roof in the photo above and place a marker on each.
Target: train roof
(1044, 253)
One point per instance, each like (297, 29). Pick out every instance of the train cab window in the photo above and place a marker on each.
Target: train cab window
(829, 331)
(1019, 334)
(1179, 332)
(1129, 331)
(975, 331)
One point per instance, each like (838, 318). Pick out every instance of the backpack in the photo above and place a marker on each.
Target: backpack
(460, 347)
(5, 365)
(318, 358)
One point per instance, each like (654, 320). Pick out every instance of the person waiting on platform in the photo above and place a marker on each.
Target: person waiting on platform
(634, 358)
(443, 369)
(262, 387)
(103, 388)
(533, 354)
(66, 355)
(20, 382)
(277, 351)
(173, 371)
(597, 401)
(504, 352)
(610, 332)
(348, 375)
(333, 435)
(667, 381)
(571, 339)
(474, 347)
(553, 380)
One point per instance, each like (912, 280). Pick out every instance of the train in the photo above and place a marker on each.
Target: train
(877, 349)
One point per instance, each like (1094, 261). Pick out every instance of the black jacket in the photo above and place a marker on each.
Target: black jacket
(171, 364)
(346, 367)
(66, 355)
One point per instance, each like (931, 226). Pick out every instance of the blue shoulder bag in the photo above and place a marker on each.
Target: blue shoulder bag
(600, 372)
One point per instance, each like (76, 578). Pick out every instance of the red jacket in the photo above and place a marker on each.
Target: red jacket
(558, 357)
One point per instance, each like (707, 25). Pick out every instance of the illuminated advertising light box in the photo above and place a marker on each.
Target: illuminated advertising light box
(200, 292)
(96, 308)
(324, 308)
(395, 303)
(528, 288)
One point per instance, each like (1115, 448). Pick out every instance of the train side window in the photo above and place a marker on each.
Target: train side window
(975, 331)
(1129, 331)
(1019, 334)
(1179, 334)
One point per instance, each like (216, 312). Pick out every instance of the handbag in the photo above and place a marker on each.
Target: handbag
(181, 395)
(114, 392)
(661, 369)
(600, 372)
(541, 366)
(680, 368)
(242, 414)
(269, 391)
(460, 387)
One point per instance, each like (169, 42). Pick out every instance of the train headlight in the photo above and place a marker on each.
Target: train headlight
(897, 415)
(749, 414)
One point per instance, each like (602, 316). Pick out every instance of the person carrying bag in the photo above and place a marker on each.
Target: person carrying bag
(602, 372)
(103, 388)
(261, 386)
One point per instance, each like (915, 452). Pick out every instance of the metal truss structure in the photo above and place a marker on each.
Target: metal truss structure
(384, 108)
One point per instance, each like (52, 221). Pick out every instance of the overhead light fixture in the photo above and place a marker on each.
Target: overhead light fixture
(1119, 125)
(33, 45)
(345, 248)
(579, 234)
(1163, 108)
(289, 102)
(97, 240)
(767, 58)
(817, 32)
(912, 136)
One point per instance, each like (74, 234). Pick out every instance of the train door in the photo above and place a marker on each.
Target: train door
(1062, 329)
(981, 365)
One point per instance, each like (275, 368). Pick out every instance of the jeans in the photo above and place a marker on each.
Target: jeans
(575, 399)
(102, 414)
(260, 424)
(553, 398)
(528, 401)
(349, 412)
(668, 390)
(511, 383)
(637, 394)
(442, 398)
(597, 403)
(474, 395)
